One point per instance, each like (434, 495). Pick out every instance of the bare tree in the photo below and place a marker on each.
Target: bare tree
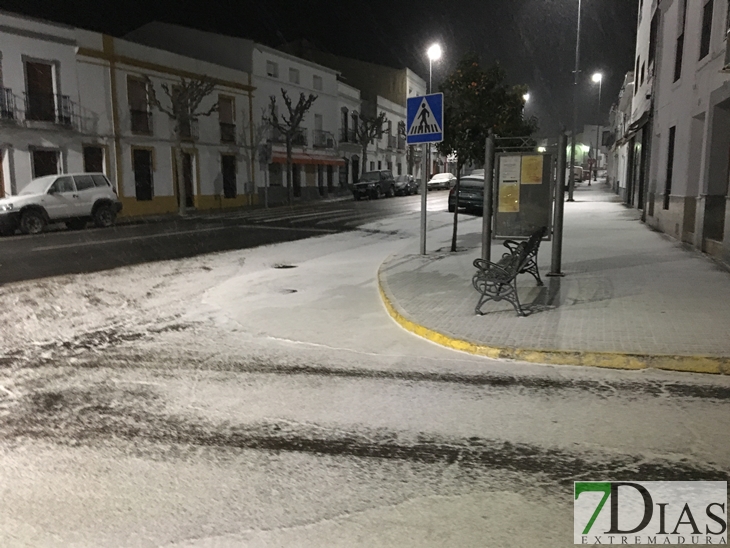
(253, 136)
(184, 110)
(367, 128)
(288, 127)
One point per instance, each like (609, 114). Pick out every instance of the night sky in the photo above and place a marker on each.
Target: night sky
(533, 39)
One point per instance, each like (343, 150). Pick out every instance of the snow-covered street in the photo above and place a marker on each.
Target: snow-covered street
(265, 398)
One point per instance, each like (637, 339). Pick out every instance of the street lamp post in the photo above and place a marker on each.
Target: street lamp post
(598, 79)
(571, 184)
(434, 54)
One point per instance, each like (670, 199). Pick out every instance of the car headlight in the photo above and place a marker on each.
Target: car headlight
(6, 207)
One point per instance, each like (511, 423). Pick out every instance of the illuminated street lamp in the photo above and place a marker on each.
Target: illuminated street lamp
(597, 79)
(571, 182)
(526, 97)
(434, 54)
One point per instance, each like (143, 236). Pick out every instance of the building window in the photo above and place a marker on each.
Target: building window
(400, 168)
(380, 164)
(93, 159)
(653, 37)
(226, 117)
(344, 135)
(45, 162)
(294, 75)
(643, 72)
(317, 82)
(670, 166)
(636, 78)
(228, 170)
(706, 29)
(272, 69)
(40, 94)
(142, 166)
(139, 108)
(372, 166)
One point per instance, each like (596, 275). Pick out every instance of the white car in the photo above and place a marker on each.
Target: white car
(72, 198)
(442, 180)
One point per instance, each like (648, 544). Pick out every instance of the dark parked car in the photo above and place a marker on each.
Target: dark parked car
(375, 184)
(406, 185)
(471, 194)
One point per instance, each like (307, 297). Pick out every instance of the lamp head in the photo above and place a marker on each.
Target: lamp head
(597, 77)
(434, 52)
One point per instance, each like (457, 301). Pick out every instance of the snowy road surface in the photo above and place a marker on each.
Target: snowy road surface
(264, 398)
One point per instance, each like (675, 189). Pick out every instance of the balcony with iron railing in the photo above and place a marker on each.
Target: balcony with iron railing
(299, 139)
(392, 142)
(7, 104)
(401, 142)
(228, 132)
(188, 130)
(50, 107)
(323, 139)
(141, 121)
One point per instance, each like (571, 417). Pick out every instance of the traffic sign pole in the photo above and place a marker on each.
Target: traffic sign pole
(424, 199)
(425, 125)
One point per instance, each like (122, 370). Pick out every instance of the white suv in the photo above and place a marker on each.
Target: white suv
(72, 198)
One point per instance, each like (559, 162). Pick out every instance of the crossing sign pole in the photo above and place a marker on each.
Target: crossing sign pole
(424, 125)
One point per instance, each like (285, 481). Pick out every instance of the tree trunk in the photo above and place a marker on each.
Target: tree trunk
(363, 168)
(290, 188)
(181, 190)
(456, 206)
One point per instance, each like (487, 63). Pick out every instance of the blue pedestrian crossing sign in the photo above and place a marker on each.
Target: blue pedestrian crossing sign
(425, 119)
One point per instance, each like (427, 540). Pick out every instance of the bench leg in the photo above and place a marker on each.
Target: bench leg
(499, 292)
(531, 268)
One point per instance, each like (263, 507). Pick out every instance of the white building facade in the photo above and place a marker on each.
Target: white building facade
(690, 170)
(617, 163)
(316, 162)
(48, 113)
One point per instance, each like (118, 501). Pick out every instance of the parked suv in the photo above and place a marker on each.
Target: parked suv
(72, 198)
(375, 184)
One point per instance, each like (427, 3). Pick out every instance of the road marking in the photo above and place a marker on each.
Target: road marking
(302, 216)
(179, 233)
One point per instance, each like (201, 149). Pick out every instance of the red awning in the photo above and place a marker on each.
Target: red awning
(301, 158)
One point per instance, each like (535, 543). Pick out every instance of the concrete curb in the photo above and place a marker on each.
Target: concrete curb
(612, 360)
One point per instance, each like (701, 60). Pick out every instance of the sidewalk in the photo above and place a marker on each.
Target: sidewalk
(631, 298)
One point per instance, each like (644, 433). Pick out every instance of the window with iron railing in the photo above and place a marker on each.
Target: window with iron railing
(7, 104)
(188, 129)
(42, 107)
(300, 137)
(139, 107)
(228, 132)
(323, 139)
(226, 113)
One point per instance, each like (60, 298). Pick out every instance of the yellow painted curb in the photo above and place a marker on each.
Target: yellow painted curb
(613, 360)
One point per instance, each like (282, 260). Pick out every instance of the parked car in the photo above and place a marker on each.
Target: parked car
(406, 185)
(442, 181)
(471, 194)
(72, 198)
(375, 184)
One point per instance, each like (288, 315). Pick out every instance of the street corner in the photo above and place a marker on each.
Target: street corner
(712, 365)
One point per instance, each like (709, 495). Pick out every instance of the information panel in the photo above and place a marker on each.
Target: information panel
(523, 194)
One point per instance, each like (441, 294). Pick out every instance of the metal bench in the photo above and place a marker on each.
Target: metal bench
(498, 281)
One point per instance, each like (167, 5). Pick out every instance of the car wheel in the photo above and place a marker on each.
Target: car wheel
(32, 222)
(76, 224)
(451, 208)
(104, 216)
(391, 192)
